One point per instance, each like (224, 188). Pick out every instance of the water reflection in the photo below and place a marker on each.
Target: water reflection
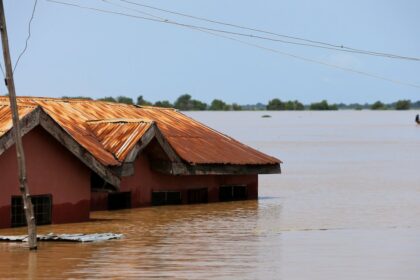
(352, 171)
(170, 241)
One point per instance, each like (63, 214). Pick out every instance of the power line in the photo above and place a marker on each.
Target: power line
(247, 43)
(27, 38)
(137, 11)
(265, 38)
(322, 62)
(329, 45)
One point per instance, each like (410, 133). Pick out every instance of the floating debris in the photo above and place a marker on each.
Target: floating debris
(95, 237)
(266, 116)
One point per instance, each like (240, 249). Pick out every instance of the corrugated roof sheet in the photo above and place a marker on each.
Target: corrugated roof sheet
(119, 138)
(109, 131)
(6, 122)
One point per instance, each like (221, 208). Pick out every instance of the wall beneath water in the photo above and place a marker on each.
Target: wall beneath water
(51, 169)
(145, 181)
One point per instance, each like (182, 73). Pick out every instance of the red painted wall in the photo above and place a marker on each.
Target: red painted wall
(145, 180)
(52, 169)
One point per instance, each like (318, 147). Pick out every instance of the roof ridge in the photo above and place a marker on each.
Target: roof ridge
(119, 120)
(156, 107)
(27, 105)
(87, 100)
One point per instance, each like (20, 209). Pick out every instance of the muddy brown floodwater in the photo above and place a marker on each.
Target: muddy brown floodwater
(347, 206)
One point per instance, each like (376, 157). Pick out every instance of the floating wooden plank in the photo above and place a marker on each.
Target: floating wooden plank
(95, 237)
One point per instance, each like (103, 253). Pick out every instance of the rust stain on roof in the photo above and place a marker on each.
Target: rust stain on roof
(109, 131)
(119, 138)
(6, 122)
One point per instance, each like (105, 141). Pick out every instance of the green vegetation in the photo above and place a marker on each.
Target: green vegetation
(323, 106)
(125, 100)
(108, 99)
(218, 105)
(142, 102)
(353, 106)
(164, 104)
(236, 107)
(294, 106)
(403, 105)
(378, 105)
(277, 105)
(186, 103)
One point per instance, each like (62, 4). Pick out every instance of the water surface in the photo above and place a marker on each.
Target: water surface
(347, 206)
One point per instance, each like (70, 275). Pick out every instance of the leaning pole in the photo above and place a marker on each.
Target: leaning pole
(23, 186)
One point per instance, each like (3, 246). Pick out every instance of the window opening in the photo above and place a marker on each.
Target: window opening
(166, 197)
(234, 192)
(42, 210)
(198, 195)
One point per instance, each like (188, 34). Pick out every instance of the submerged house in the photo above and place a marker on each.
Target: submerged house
(84, 156)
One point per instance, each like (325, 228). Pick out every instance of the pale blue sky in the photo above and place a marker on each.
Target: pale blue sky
(77, 52)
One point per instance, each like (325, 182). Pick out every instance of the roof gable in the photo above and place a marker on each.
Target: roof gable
(119, 138)
(6, 122)
(37, 117)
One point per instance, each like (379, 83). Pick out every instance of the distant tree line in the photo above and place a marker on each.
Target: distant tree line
(185, 102)
(378, 105)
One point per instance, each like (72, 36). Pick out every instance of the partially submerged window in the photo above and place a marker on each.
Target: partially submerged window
(198, 195)
(240, 192)
(42, 210)
(234, 192)
(119, 200)
(166, 197)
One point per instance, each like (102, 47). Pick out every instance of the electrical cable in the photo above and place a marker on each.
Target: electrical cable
(329, 45)
(164, 20)
(249, 44)
(27, 38)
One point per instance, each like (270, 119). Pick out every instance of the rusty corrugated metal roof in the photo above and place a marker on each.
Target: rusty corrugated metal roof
(109, 131)
(119, 137)
(6, 122)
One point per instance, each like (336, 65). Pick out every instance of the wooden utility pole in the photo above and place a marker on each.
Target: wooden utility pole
(27, 203)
